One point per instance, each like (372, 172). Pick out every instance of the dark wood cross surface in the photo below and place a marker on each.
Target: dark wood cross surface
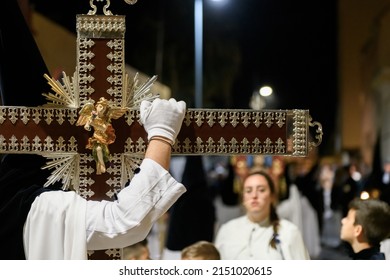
(53, 130)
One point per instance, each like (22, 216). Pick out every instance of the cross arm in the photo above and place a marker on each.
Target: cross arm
(41, 130)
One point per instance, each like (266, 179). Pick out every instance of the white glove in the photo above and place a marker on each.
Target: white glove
(162, 118)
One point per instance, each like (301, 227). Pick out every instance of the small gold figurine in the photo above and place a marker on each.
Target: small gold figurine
(99, 117)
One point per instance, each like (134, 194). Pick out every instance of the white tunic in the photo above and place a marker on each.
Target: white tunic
(63, 225)
(241, 239)
(298, 210)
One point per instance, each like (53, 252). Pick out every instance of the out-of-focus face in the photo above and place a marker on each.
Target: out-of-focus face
(348, 229)
(100, 108)
(138, 253)
(327, 176)
(257, 197)
(145, 254)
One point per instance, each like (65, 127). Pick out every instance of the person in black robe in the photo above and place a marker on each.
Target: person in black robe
(377, 183)
(192, 217)
(21, 84)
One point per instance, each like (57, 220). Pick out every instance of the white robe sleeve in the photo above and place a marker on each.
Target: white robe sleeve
(55, 227)
(129, 219)
(63, 225)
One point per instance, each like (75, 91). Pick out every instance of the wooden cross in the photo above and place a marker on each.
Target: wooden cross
(58, 130)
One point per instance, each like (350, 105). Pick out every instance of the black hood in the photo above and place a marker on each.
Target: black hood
(21, 84)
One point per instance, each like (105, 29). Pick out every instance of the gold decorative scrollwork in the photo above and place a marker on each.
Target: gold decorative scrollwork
(318, 135)
(105, 7)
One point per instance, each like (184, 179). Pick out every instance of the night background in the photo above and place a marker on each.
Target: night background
(288, 45)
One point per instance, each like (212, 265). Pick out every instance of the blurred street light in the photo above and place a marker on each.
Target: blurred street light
(260, 98)
(198, 53)
(198, 16)
(265, 91)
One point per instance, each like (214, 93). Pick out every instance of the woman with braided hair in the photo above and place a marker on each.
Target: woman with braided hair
(260, 234)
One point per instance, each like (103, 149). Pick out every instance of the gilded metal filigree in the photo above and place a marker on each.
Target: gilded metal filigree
(318, 134)
(299, 133)
(106, 6)
(66, 92)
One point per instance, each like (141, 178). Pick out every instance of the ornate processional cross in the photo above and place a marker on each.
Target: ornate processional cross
(89, 129)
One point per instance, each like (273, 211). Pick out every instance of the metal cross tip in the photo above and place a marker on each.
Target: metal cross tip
(131, 2)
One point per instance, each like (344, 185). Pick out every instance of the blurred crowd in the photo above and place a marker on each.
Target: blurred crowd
(312, 192)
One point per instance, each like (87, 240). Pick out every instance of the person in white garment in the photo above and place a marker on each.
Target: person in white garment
(48, 223)
(260, 234)
(63, 225)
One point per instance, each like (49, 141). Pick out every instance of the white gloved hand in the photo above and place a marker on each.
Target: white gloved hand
(162, 118)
